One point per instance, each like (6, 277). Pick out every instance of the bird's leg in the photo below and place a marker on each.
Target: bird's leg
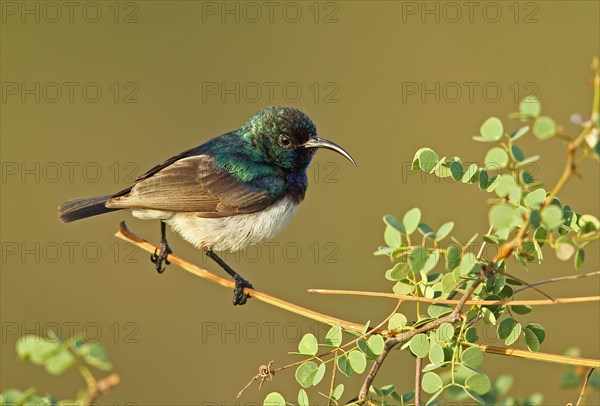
(161, 252)
(239, 296)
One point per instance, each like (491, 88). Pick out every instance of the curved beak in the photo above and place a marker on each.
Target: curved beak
(318, 142)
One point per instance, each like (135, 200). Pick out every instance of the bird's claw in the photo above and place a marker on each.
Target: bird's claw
(159, 256)
(239, 295)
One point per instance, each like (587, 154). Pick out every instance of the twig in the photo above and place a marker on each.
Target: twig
(265, 373)
(536, 356)
(418, 373)
(128, 236)
(332, 384)
(540, 302)
(584, 387)
(558, 279)
(530, 286)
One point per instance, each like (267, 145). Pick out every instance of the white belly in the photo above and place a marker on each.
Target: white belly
(227, 233)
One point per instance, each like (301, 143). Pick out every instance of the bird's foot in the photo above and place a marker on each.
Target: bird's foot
(239, 295)
(160, 255)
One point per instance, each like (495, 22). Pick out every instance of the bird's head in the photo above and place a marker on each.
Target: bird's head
(286, 137)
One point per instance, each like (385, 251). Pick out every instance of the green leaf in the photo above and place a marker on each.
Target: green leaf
(364, 347)
(521, 309)
(334, 336)
(445, 332)
(589, 223)
(530, 106)
(338, 392)
(274, 399)
(472, 357)
(35, 348)
(431, 382)
(534, 336)
(419, 345)
(471, 334)
(392, 237)
(319, 375)
(506, 184)
(509, 331)
(60, 362)
(456, 170)
(411, 220)
(496, 158)
(399, 272)
(358, 361)
(95, 355)
(444, 230)
(519, 133)
(467, 264)
(305, 373)
(303, 398)
(397, 322)
(392, 221)
(544, 128)
(516, 153)
(501, 215)
(469, 173)
(478, 383)
(376, 343)
(436, 354)
(535, 198)
(492, 129)
(403, 288)
(438, 310)
(453, 257)
(552, 217)
(343, 365)
(308, 345)
(417, 258)
(483, 180)
(425, 159)
(431, 261)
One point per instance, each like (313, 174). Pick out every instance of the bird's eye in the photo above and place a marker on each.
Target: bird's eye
(284, 141)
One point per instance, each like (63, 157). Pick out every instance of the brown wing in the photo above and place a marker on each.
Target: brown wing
(193, 184)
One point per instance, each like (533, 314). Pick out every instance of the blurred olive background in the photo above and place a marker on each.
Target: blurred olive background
(380, 78)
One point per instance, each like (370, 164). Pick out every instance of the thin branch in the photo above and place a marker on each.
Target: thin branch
(558, 279)
(529, 286)
(536, 356)
(332, 384)
(584, 387)
(418, 386)
(128, 236)
(540, 302)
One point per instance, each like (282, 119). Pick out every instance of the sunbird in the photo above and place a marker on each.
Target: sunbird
(233, 191)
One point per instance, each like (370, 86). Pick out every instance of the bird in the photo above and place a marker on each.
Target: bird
(233, 191)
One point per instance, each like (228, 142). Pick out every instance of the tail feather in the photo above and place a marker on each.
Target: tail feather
(77, 209)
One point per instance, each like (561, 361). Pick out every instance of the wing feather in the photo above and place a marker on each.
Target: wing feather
(196, 184)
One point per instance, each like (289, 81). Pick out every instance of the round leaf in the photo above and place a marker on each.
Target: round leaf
(530, 106)
(544, 128)
(397, 321)
(552, 217)
(444, 230)
(358, 361)
(274, 399)
(334, 336)
(436, 354)
(496, 158)
(472, 357)
(492, 129)
(501, 215)
(431, 382)
(419, 345)
(376, 343)
(308, 345)
(305, 374)
(411, 220)
(534, 336)
(509, 330)
(319, 375)
(303, 398)
(343, 365)
(478, 383)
